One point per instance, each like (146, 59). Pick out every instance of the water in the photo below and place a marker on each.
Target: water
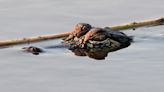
(138, 68)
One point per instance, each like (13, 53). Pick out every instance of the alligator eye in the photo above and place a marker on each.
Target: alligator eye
(86, 27)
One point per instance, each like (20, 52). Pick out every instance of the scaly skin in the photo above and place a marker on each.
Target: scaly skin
(84, 34)
(96, 34)
(79, 30)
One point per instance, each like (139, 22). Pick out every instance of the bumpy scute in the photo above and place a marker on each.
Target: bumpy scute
(79, 30)
(97, 38)
(97, 34)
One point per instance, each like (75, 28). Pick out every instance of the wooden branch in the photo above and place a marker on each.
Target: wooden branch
(133, 25)
(5, 43)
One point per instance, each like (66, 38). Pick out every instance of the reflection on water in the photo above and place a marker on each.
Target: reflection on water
(96, 53)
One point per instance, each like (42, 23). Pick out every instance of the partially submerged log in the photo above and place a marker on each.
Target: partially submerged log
(133, 25)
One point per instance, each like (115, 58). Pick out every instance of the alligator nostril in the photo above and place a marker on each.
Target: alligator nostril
(33, 50)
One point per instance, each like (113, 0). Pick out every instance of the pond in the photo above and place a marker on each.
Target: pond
(137, 68)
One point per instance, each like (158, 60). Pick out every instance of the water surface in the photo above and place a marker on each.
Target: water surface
(138, 68)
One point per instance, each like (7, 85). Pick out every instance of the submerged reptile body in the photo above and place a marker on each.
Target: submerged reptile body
(98, 38)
